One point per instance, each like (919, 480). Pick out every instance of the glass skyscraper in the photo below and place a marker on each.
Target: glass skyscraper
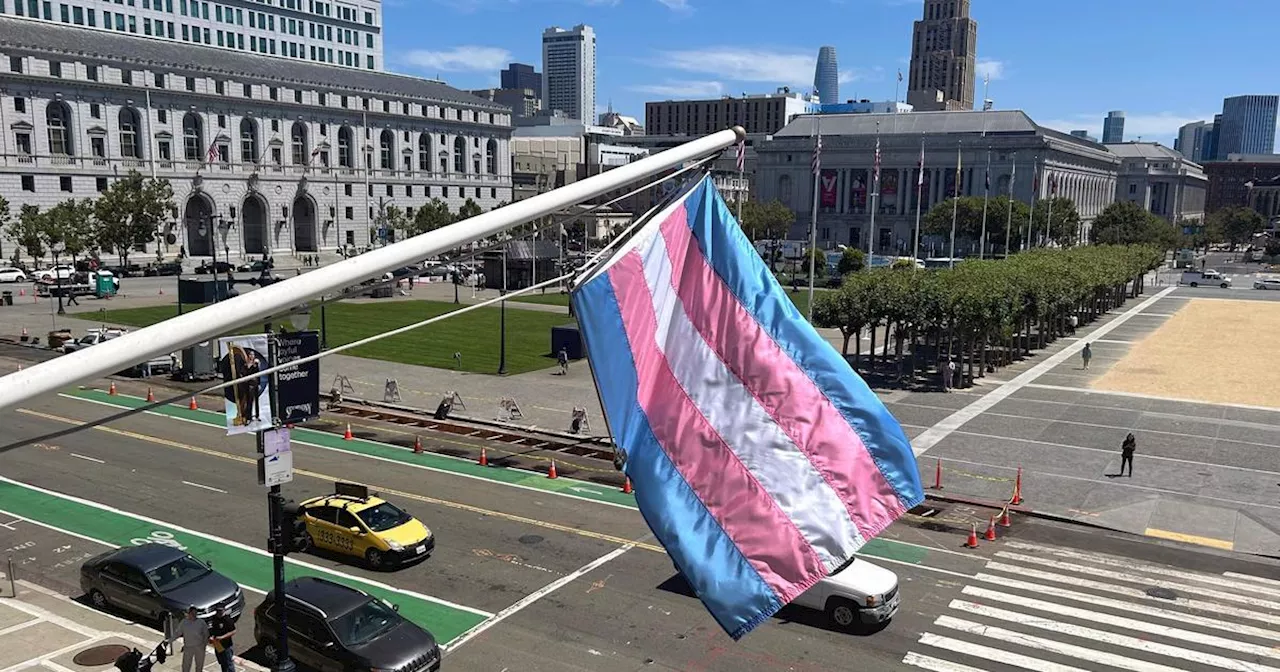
(1248, 126)
(826, 76)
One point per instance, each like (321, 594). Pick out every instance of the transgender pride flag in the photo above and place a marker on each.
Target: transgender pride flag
(760, 460)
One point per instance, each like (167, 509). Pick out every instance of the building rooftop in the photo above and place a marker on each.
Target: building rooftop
(108, 46)
(916, 123)
(1145, 150)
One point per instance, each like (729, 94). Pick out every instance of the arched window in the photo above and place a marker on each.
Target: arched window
(491, 157)
(192, 137)
(58, 117)
(345, 157)
(387, 144)
(459, 155)
(129, 133)
(299, 138)
(249, 141)
(424, 152)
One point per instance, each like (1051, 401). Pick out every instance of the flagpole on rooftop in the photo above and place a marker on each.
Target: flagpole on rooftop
(813, 220)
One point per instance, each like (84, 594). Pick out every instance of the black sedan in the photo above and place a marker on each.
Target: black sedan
(153, 579)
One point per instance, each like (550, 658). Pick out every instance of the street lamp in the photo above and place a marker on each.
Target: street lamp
(300, 319)
(502, 319)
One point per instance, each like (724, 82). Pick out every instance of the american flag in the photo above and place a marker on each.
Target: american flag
(314, 153)
(899, 75)
(817, 155)
(1053, 186)
(742, 155)
(213, 155)
(987, 180)
(877, 165)
(1013, 175)
(920, 168)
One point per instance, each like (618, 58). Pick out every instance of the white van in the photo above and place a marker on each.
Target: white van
(1207, 277)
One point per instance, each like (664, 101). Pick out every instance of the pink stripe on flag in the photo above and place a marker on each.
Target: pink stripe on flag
(746, 512)
(785, 391)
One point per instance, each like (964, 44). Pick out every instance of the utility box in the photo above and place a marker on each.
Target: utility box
(202, 291)
(199, 362)
(568, 338)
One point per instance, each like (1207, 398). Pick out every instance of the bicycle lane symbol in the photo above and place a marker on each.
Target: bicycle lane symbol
(158, 537)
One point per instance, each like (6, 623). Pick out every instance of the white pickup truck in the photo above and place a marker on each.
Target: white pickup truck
(859, 593)
(1208, 277)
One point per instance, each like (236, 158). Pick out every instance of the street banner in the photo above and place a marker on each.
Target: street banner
(827, 189)
(298, 387)
(275, 465)
(248, 403)
(888, 184)
(858, 190)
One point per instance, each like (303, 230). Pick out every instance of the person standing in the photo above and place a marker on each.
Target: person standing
(951, 374)
(563, 359)
(220, 632)
(195, 637)
(1127, 449)
(1086, 355)
(253, 386)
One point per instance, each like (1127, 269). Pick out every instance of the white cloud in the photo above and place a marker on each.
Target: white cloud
(1158, 127)
(680, 6)
(458, 59)
(744, 65)
(985, 67)
(682, 88)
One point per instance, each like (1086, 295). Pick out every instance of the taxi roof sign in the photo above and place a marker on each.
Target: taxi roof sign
(353, 490)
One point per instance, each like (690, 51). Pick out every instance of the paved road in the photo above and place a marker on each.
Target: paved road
(512, 556)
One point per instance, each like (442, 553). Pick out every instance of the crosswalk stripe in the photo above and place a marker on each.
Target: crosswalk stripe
(1040, 643)
(1134, 578)
(1098, 617)
(1182, 617)
(1130, 564)
(1202, 605)
(1250, 577)
(1112, 638)
(936, 664)
(995, 655)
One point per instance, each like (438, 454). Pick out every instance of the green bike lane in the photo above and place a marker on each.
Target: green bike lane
(889, 549)
(250, 567)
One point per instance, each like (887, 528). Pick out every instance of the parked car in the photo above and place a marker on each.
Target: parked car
(167, 268)
(60, 272)
(93, 337)
(254, 267)
(1266, 283)
(207, 267)
(336, 628)
(10, 274)
(858, 593)
(151, 580)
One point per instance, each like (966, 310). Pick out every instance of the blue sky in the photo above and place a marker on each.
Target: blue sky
(1164, 62)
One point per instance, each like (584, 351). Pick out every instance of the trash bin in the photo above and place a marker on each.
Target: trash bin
(7, 298)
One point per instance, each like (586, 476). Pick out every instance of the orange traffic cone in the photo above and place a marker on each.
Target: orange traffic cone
(162, 291)
(937, 476)
(972, 542)
(151, 397)
(991, 530)
(1017, 489)
(551, 473)
(112, 390)
(22, 292)
(193, 405)
(346, 436)
(417, 444)
(484, 457)
(1004, 517)
(626, 487)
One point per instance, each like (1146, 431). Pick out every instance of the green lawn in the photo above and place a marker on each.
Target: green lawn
(474, 334)
(800, 298)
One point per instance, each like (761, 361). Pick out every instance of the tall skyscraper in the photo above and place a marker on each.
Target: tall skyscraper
(320, 32)
(1113, 127)
(1248, 126)
(1193, 140)
(944, 48)
(521, 76)
(1210, 151)
(569, 71)
(826, 76)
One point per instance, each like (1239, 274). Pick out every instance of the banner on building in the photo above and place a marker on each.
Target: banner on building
(858, 190)
(248, 403)
(950, 188)
(888, 184)
(298, 387)
(827, 189)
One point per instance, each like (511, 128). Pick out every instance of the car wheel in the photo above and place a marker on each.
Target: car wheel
(1225, 285)
(1195, 284)
(375, 558)
(269, 652)
(305, 543)
(842, 614)
(98, 599)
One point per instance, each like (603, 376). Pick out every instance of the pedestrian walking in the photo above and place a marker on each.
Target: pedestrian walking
(1127, 450)
(950, 375)
(1074, 322)
(1086, 355)
(195, 637)
(221, 631)
(563, 358)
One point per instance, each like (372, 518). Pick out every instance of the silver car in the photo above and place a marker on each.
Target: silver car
(152, 580)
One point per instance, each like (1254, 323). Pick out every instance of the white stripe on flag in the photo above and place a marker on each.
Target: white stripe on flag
(994, 655)
(748, 430)
(1071, 650)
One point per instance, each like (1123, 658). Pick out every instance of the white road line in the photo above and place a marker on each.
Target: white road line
(935, 664)
(1100, 340)
(1156, 397)
(204, 487)
(1250, 577)
(994, 655)
(1214, 421)
(1130, 564)
(1039, 643)
(1134, 578)
(1133, 624)
(33, 662)
(1110, 638)
(1198, 605)
(20, 626)
(534, 597)
(78, 456)
(1123, 605)
(951, 423)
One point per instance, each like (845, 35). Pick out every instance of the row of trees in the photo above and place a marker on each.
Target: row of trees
(128, 214)
(983, 313)
(435, 214)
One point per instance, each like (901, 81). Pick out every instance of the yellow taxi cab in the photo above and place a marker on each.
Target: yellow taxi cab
(353, 522)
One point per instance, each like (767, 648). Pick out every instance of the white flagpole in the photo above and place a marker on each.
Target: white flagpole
(813, 222)
(955, 212)
(1008, 225)
(915, 245)
(875, 199)
(1048, 220)
(1035, 187)
(150, 154)
(986, 178)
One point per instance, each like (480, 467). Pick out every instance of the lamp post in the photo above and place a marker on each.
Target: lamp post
(276, 520)
(502, 319)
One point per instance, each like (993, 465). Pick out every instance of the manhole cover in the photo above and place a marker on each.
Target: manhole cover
(1161, 593)
(100, 655)
(530, 539)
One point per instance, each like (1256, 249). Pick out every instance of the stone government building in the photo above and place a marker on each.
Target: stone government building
(278, 156)
(1084, 171)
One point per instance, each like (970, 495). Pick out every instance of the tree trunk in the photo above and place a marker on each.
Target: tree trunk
(844, 350)
(871, 352)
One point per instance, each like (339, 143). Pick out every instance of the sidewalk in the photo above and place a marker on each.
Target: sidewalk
(41, 629)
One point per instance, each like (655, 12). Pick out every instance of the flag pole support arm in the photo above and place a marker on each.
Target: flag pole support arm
(226, 316)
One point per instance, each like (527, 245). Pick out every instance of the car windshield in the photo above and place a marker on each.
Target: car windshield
(180, 572)
(365, 623)
(383, 517)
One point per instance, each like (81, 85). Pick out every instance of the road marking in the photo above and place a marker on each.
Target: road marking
(205, 487)
(1118, 622)
(1190, 539)
(936, 665)
(240, 546)
(20, 626)
(534, 597)
(1139, 395)
(1155, 612)
(951, 423)
(86, 457)
(1111, 638)
(1070, 650)
(1136, 430)
(994, 655)
(1130, 564)
(1250, 577)
(1098, 340)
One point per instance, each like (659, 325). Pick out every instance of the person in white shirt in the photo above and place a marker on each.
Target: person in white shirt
(195, 638)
